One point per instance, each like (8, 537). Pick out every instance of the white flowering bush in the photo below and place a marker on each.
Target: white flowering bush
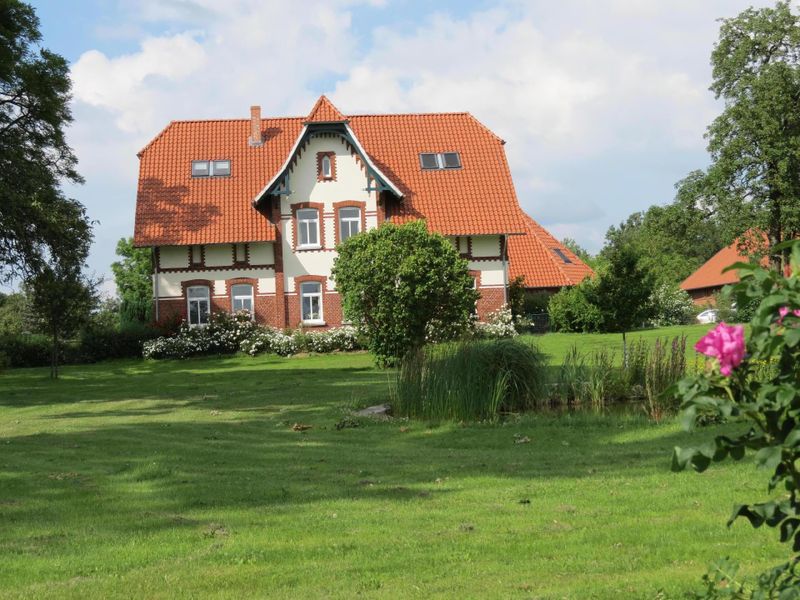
(227, 334)
(671, 306)
(343, 339)
(498, 324)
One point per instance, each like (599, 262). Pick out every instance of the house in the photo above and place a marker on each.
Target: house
(709, 278)
(247, 213)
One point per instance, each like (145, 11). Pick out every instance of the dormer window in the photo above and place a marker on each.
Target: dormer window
(211, 168)
(326, 166)
(431, 161)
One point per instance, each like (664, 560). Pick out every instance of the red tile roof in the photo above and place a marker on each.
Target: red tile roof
(175, 209)
(324, 112)
(533, 256)
(710, 275)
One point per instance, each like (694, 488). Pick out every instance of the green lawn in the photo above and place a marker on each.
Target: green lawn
(186, 480)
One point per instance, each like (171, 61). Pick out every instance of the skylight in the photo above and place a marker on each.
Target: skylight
(441, 160)
(211, 168)
(560, 253)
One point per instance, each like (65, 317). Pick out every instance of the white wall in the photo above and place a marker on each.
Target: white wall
(173, 257)
(219, 255)
(261, 253)
(350, 184)
(491, 272)
(485, 245)
(169, 284)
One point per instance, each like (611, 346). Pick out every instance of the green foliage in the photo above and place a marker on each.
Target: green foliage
(36, 220)
(755, 142)
(470, 380)
(516, 296)
(670, 306)
(571, 310)
(400, 283)
(671, 241)
(13, 311)
(730, 311)
(623, 290)
(769, 401)
(580, 252)
(132, 276)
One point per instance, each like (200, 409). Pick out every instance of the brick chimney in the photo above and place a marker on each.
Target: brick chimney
(255, 138)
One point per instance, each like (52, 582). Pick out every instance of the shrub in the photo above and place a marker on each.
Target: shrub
(570, 310)
(97, 343)
(671, 306)
(342, 339)
(267, 340)
(499, 324)
(473, 379)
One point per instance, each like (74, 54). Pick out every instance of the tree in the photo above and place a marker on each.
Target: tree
(622, 292)
(13, 311)
(579, 251)
(61, 301)
(36, 220)
(754, 178)
(400, 283)
(672, 241)
(132, 275)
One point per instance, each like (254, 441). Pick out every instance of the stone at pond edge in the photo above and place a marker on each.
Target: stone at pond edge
(379, 410)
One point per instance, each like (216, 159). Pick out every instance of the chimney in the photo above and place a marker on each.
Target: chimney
(255, 138)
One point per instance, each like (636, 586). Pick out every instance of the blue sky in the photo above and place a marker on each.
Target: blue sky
(603, 105)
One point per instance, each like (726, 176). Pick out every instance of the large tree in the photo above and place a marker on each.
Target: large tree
(399, 282)
(754, 178)
(132, 274)
(36, 220)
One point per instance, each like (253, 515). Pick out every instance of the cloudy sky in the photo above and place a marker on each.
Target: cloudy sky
(603, 103)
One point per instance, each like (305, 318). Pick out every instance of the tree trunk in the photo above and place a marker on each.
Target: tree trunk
(624, 351)
(54, 356)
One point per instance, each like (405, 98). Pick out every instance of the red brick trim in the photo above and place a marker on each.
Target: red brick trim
(321, 219)
(185, 285)
(280, 316)
(348, 204)
(332, 156)
(240, 263)
(322, 280)
(229, 283)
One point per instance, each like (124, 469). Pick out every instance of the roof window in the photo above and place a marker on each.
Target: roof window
(560, 253)
(211, 168)
(441, 160)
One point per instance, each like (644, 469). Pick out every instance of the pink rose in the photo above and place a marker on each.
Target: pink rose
(726, 344)
(784, 310)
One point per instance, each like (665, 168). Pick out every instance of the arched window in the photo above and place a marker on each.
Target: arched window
(349, 222)
(198, 298)
(242, 297)
(326, 167)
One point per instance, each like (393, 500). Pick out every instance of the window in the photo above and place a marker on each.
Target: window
(560, 253)
(242, 297)
(308, 227)
(442, 160)
(451, 160)
(311, 302)
(349, 222)
(197, 255)
(222, 168)
(326, 167)
(428, 161)
(199, 300)
(200, 168)
(240, 253)
(211, 168)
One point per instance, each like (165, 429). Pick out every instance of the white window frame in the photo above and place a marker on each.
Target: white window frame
(198, 300)
(326, 162)
(199, 174)
(349, 221)
(305, 224)
(250, 296)
(214, 164)
(439, 159)
(312, 295)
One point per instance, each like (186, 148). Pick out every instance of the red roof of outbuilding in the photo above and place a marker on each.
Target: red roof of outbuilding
(710, 275)
(533, 256)
(173, 208)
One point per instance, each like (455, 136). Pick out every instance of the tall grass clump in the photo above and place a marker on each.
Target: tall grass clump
(666, 364)
(470, 380)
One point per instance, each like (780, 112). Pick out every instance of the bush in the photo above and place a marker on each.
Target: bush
(570, 310)
(499, 324)
(100, 343)
(474, 379)
(671, 306)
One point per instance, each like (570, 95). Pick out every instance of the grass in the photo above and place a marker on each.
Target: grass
(185, 479)
(557, 345)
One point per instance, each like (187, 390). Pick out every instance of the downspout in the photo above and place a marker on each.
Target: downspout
(155, 279)
(504, 241)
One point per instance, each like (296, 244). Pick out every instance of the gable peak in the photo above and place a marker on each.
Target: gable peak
(325, 112)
